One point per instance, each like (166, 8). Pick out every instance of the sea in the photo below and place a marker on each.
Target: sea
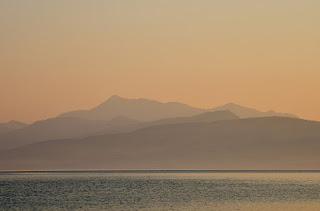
(160, 190)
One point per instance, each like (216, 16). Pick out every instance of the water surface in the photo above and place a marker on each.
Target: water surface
(160, 190)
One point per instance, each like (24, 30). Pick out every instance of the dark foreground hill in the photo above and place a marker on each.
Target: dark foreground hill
(58, 128)
(73, 127)
(257, 143)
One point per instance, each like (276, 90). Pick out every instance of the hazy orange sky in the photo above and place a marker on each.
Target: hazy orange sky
(57, 56)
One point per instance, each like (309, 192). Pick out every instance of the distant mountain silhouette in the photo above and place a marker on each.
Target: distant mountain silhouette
(11, 126)
(58, 128)
(150, 110)
(254, 143)
(244, 112)
(139, 109)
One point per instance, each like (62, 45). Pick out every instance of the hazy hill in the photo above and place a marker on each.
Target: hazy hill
(139, 109)
(244, 112)
(73, 127)
(257, 143)
(57, 128)
(10, 126)
(204, 117)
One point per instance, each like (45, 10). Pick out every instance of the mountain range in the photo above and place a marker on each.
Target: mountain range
(117, 115)
(145, 134)
(150, 110)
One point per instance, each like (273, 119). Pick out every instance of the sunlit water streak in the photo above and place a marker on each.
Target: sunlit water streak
(160, 190)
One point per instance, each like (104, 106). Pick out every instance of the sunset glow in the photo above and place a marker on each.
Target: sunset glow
(57, 56)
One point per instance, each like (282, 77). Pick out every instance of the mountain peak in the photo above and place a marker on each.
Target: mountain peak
(119, 100)
(231, 105)
(10, 126)
(14, 122)
(115, 97)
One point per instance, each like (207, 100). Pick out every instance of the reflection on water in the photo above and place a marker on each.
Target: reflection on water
(160, 190)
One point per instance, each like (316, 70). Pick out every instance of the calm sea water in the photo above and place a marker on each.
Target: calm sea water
(160, 190)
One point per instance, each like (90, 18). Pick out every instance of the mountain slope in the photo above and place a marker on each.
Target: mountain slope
(204, 117)
(139, 109)
(257, 143)
(244, 112)
(57, 128)
(11, 126)
(72, 127)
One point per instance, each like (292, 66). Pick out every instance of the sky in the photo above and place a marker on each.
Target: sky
(58, 56)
